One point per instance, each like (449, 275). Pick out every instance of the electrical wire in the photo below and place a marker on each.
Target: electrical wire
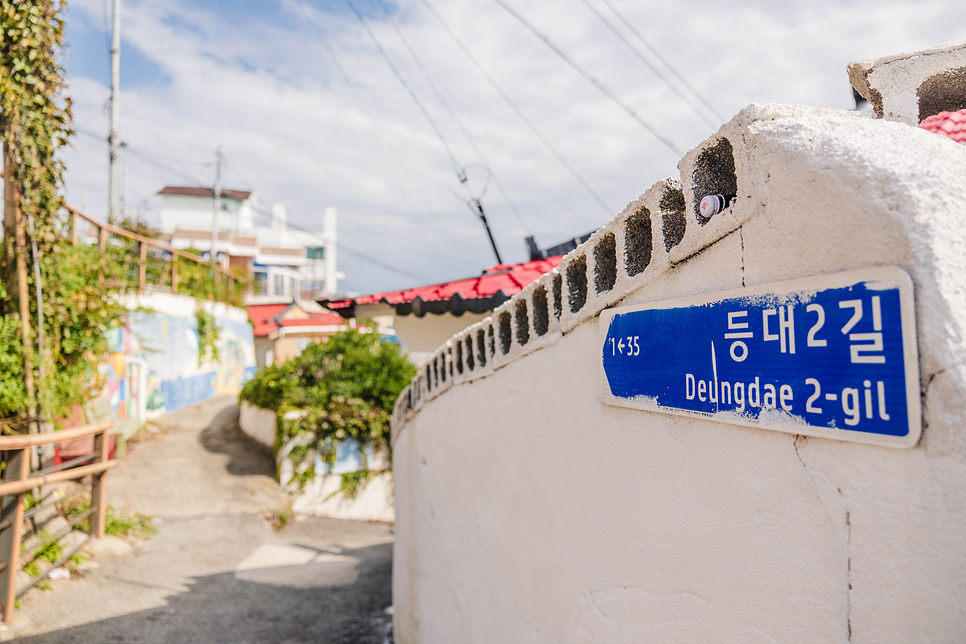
(196, 184)
(591, 79)
(412, 94)
(393, 162)
(516, 110)
(657, 72)
(351, 251)
(661, 58)
(459, 123)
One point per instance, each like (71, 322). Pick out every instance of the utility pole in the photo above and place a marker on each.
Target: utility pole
(115, 114)
(476, 203)
(216, 208)
(122, 202)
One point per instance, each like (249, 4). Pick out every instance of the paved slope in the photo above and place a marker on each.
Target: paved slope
(215, 571)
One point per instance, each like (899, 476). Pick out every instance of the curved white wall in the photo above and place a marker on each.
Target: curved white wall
(529, 511)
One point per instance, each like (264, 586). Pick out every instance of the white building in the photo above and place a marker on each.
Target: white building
(284, 264)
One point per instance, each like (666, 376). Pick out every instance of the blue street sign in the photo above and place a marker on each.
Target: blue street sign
(832, 356)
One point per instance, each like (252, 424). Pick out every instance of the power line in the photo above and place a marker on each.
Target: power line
(657, 72)
(516, 109)
(452, 113)
(351, 251)
(661, 58)
(393, 162)
(412, 94)
(196, 184)
(456, 165)
(591, 79)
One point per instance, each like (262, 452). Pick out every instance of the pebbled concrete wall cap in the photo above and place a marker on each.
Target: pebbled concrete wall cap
(750, 175)
(891, 84)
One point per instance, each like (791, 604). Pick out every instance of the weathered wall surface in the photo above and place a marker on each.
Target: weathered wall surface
(529, 511)
(154, 367)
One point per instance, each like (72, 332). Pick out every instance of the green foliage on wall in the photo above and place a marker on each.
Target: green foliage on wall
(36, 118)
(207, 334)
(341, 389)
(81, 302)
(81, 285)
(13, 396)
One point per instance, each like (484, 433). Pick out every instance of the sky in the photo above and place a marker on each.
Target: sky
(311, 112)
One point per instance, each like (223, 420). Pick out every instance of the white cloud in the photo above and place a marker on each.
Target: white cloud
(292, 129)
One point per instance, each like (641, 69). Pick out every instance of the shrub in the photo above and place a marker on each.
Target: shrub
(343, 389)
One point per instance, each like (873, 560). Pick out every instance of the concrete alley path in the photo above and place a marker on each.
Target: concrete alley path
(216, 571)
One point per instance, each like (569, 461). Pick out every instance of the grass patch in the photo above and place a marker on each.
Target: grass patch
(116, 523)
(51, 552)
(74, 561)
(279, 519)
(122, 524)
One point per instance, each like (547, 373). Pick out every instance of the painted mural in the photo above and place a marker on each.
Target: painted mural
(153, 364)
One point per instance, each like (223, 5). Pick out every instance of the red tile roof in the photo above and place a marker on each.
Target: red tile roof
(950, 124)
(209, 193)
(266, 318)
(508, 278)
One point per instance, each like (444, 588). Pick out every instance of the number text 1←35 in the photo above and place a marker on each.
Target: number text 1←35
(833, 356)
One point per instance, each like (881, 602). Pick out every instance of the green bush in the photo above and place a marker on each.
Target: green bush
(345, 388)
(267, 389)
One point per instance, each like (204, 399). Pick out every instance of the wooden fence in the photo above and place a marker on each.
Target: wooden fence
(18, 480)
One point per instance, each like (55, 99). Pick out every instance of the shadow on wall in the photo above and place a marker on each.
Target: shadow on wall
(227, 608)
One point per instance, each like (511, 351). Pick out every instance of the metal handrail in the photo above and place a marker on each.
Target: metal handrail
(144, 242)
(21, 441)
(18, 480)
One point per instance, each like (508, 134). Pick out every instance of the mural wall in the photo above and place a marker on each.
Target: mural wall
(154, 366)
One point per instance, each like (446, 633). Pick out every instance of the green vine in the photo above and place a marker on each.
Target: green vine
(207, 334)
(353, 483)
(80, 284)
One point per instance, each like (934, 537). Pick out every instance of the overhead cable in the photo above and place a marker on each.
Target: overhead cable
(392, 159)
(591, 79)
(351, 251)
(197, 184)
(412, 94)
(453, 115)
(661, 58)
(516, 109)
(657, 72)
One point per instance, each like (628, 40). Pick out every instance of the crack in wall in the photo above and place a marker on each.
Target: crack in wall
(741, 238)
(848, 531)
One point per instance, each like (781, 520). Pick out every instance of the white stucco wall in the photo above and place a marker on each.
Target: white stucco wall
(257, 423)
(321, 495)
(529, 511)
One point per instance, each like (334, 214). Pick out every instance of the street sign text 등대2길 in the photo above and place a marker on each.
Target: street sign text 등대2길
(833, 356)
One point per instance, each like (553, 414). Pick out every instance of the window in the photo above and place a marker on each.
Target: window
(279, 286)
(315, 252)
(260, 283)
